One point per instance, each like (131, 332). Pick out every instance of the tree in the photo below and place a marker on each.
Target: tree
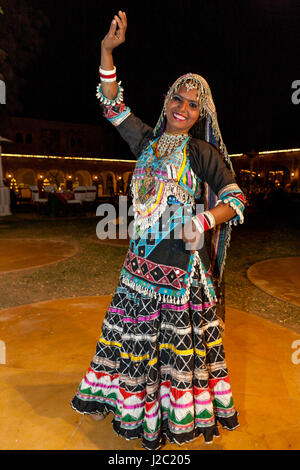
(21, 40)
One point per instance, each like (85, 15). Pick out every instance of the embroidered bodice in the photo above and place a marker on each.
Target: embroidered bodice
(158, 183)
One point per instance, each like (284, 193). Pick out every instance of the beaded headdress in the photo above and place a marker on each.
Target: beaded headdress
(206, 128)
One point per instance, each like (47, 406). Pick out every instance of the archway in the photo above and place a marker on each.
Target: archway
(100, 185)
(110, 185)
(25, 177)
(84, 178)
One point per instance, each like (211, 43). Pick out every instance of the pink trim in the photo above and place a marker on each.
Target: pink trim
(116, 310)
(225, 392)
(175, 307)
(203, 402)
(141, 319)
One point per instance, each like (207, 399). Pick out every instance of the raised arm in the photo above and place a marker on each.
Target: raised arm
(114, 38)
(110, 93)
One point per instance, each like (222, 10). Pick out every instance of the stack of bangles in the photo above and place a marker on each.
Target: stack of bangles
(108, 75)
(204, 221)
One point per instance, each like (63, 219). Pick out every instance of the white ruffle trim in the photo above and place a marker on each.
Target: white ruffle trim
(237, 210)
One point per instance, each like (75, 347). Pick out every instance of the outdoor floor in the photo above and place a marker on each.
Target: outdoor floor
(49, 345)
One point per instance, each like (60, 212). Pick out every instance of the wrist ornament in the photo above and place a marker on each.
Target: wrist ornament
(108, 75)
(204, 221)
(107, 101)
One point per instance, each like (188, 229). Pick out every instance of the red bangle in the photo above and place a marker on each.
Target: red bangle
(107, 76)
(203, 221)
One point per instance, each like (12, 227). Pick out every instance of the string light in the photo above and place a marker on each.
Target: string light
(278, 151)
(265, 152)
(66, 158)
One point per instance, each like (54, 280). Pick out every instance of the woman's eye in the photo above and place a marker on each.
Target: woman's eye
(194, 105)
(176, 98)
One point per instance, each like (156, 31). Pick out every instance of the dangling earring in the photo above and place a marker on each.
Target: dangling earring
(163, 119)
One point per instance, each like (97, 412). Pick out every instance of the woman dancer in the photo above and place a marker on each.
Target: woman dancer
(159, 364)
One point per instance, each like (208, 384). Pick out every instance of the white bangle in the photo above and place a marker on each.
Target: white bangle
(198, 224)
(108, 79)
(107, 72)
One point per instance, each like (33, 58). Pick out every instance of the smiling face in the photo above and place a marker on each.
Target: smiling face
(182, 111)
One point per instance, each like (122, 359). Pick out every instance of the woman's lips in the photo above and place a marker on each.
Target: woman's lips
(179, 117)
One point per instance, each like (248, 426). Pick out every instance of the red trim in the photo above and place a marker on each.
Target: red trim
(203, 221)
(108, 76)
(213, 382)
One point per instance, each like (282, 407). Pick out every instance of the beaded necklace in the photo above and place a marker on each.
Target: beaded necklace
(167, 143)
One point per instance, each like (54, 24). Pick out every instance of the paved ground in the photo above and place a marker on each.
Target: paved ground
(49, 346)
(279, 277)
(17, 254)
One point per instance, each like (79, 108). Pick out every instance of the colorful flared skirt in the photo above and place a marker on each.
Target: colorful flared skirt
(160, 369)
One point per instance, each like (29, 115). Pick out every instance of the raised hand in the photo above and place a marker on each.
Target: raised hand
(116, 33)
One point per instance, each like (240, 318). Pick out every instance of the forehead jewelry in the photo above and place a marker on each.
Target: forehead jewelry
(190, 84)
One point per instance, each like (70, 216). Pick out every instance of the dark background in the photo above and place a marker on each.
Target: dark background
(248, 51)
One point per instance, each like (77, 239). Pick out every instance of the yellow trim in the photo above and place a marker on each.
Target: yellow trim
(134, 358)
(155, 203)
(153, 361)
(110, 343)
(200, 353)
(183, 164)
(187, 352)
(214, 343)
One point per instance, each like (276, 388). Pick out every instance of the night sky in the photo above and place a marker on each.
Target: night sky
(248, 51)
